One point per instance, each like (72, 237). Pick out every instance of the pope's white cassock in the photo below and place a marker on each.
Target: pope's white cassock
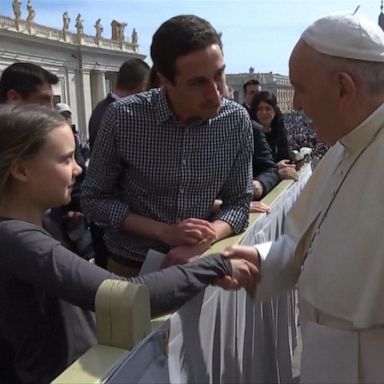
(333, 246)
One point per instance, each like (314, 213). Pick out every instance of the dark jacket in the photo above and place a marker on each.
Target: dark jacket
(264, 167)
(97, 116)
(246, 107)
(278, 141)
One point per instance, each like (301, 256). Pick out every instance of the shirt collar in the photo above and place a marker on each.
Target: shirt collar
(362, 135)
(164, 112)
(113, 95)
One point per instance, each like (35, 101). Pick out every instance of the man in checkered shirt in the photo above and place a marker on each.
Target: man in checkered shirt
(162, 157)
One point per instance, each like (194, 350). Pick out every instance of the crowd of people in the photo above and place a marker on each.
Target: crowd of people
(301, 134)
(176, 165)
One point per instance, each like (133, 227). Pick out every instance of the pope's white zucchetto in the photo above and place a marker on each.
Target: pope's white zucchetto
(348, 36)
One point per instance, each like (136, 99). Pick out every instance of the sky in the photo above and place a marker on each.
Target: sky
(255, 33)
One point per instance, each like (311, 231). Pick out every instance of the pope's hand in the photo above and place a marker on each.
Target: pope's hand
(245, 263)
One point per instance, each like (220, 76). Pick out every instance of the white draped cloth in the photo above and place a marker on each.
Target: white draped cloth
(222, 336)
(333, 244)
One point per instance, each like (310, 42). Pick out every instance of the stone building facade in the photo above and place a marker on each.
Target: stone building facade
(86, 65)
(279, 85)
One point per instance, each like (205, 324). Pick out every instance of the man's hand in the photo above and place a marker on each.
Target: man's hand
(287, 170)
(184, 253)
(74, 215)
(258, 206)
(257, 189)
(189, 232)
(288, 173)
(285, 164)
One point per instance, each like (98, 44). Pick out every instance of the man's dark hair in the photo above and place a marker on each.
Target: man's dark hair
(179, 36)
(250, 82)
(24, 78)
(132, 73)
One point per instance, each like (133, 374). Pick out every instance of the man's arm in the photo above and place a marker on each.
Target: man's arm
(233, 214)
(283, 146)
(187, 232)
(222, 229)
(236, 195)
(101, 195)
(264, 167)
(183, 253)
(237, 192)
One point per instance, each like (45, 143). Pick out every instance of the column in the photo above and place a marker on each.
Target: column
(98, 88)
(84, 100)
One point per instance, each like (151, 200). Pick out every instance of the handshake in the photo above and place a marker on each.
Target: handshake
(245, 263)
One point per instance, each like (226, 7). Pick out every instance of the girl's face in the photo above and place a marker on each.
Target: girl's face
(52, 171)
(265, 113)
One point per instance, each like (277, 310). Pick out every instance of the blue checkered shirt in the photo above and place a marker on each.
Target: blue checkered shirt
(145, 161)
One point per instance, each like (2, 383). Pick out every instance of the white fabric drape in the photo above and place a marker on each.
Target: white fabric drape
(221, 336)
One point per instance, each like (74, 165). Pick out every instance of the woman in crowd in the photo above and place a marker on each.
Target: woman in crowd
(47, 293)
(265, 111)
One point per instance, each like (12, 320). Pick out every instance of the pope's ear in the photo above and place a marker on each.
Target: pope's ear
(18, 171)
(347, 89)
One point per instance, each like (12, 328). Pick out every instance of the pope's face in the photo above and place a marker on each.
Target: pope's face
(314, 92)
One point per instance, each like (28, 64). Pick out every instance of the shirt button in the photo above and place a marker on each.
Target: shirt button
(184, 162)
(181, 190)
(317, 231)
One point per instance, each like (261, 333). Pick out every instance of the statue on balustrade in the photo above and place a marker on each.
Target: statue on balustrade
(16, 5)
(121, 31)
(31, 12)
(118, 30)
(66, 21)
(99, 30)
(134, 38)
(79, 24)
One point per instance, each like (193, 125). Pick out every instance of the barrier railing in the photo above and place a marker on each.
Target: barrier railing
(217, 337)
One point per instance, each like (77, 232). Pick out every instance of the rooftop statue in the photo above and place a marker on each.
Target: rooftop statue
(66, 21)
(79, 24)
(134, 37)
(16, 5)
(99, 30)
(31, 12)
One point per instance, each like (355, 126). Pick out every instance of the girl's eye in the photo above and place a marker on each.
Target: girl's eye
(68, 159)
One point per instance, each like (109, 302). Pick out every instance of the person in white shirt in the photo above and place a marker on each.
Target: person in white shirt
(332, 243)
